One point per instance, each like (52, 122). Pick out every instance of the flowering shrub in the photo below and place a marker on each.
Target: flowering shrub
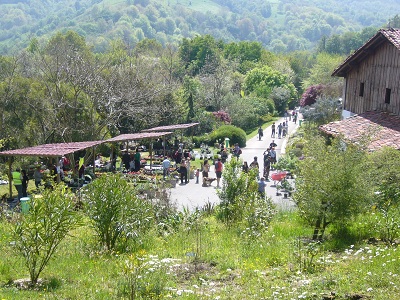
(222, 116)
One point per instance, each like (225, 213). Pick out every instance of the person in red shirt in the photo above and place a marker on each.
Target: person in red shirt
(218, 171)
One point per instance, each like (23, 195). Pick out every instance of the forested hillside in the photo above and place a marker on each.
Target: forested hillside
(279, 25)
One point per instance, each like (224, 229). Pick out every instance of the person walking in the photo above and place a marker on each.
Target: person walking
(273, 130)
(280, 130)
(260, 133)
(17, 181)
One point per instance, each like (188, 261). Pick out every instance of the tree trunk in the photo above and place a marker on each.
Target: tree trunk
(317, 229)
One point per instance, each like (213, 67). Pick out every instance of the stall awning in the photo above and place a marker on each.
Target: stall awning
(137, 136)
(171, 127)
(51, 150)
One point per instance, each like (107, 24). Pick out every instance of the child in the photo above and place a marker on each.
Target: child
(197, 175)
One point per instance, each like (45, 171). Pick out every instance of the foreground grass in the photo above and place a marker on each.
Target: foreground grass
(206, 260)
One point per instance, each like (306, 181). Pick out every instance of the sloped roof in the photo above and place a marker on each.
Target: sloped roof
(51, 150)
(137, 136)
(383, 35)
(382, 129)
(171, 127)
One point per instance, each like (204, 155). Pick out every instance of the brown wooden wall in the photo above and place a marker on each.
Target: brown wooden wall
(379, 70)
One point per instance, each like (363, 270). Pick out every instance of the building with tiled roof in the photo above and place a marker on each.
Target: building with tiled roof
(371, 92)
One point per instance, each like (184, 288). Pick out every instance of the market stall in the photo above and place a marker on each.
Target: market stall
(56, 150)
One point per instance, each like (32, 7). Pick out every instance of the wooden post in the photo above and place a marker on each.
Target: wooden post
(10, 176)
(94, 159)
(151, 153)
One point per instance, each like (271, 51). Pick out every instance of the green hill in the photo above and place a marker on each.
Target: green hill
(280, 25)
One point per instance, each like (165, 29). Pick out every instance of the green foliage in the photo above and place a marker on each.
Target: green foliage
(196, 52)
(269, 83)
(383, 167)
(321, 72)
(116, 212)
(287, 162)
(235, 135)
(241, 204)
(39, 232)
(330, 186)
(323, 111)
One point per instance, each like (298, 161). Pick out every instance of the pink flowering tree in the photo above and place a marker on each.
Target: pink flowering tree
(311, 94)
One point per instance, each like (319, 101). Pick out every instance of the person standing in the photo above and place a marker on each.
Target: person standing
(206, 169)
(272, 154)
(137, 158)
(183, 172)
(237, 151)
(166, 164)
(17, 181)
(187, 170)
(245, 167)
(261, 187)
(37, 176)
(254, 165)
(126, 159)
(25, 182)
(218, 171)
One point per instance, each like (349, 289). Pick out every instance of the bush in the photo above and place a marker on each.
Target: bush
(235, 135)
(39, 232)
(116, 212)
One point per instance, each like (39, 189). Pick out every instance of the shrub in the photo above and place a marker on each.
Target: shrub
(235, 135)
(241, 203)
(116, 212)
(39, 232)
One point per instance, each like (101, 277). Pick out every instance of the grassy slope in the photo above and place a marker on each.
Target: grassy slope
(229, 266)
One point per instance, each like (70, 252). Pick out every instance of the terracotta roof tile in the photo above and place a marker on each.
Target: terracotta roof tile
(381, 128)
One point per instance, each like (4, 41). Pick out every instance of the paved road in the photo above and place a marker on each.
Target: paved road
(194, 195)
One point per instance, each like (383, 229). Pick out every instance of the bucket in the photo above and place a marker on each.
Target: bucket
(25, 204)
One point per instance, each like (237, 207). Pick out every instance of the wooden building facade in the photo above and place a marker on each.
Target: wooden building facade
(372, 75)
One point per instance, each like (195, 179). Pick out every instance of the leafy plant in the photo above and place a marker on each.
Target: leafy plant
(39, 232)
(241, 203)
(116, 212)
(330, 186)
(145, 277)
(384, 167)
